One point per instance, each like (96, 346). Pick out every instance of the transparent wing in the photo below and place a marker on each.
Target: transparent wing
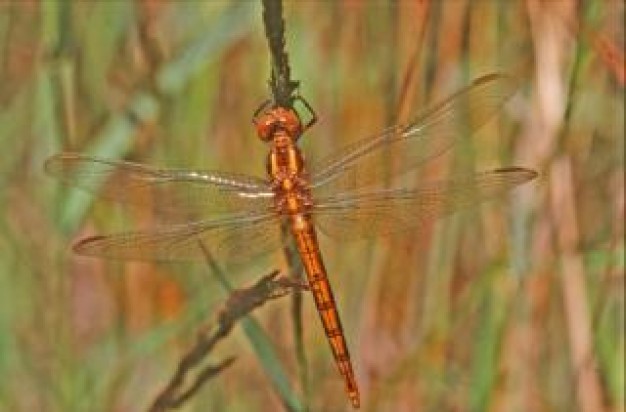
(394, 210)
(403, 147)
(229, 241)
(174, 195)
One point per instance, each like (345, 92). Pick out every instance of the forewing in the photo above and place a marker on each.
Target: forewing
(401, 148)
(229, 241)
(174, 195)
(354, 216)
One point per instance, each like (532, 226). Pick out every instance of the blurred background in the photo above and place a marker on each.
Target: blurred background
(517, 305)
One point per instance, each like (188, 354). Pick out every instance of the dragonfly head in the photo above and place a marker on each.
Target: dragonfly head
(278, 119)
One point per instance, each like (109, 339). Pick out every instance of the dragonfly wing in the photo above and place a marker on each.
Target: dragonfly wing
(403, 147)
(174, 195)
(395, 210)
(228, 241)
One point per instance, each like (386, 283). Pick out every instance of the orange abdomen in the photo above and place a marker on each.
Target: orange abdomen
(306, 241)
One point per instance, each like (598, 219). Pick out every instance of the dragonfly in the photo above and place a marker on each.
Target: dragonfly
(348, 195)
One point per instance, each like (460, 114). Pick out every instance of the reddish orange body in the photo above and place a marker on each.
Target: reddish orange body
(234, 217)
(293, 199)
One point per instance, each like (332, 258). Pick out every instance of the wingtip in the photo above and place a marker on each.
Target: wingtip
(494, 76)
(51, 164)
(48, 164)
(531, 174)
(523, 174)
(507, 83)
(82, 247)
(355, 400)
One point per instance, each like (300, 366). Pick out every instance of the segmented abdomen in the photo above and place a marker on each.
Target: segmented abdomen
(306, 241)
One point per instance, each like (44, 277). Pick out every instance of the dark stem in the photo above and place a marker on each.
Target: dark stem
(239, 304)
(281, 85)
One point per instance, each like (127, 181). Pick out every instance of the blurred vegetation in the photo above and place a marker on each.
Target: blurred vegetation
(514, 306)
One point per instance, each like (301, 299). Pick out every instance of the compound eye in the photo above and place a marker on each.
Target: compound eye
(291, 123)
(265, 127)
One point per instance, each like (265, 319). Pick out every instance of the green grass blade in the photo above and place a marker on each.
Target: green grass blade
(227, 29)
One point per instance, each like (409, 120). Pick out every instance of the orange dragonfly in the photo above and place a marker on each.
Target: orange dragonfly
(349, 195)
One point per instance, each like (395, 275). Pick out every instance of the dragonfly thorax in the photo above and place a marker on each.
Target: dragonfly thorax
(285, 167)
(285, 161)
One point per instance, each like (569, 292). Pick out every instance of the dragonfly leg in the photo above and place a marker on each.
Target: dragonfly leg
(262, 107)
(313, 118)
